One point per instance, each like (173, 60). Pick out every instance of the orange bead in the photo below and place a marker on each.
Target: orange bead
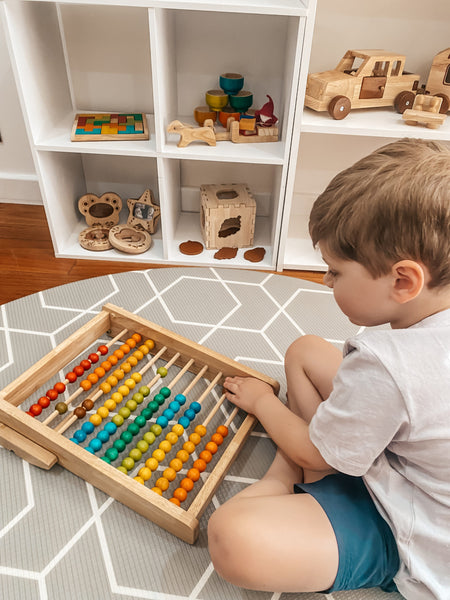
(86, 385)
(217, 438)
(211, 447)
(193, 474)
(187, 484)
(136, 337)
(113, 359)
(100, 371)
(200, 465)
(175, 501)
(106, 365)
(93, 378)
(222, 430)
(125, 348)
(119, 353)
(130, 342)
(180, 494)
(206, 456)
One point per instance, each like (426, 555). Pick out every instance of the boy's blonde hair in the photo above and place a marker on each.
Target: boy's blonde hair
(391, 205)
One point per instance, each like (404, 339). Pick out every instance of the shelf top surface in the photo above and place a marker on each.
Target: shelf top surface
(275, 7)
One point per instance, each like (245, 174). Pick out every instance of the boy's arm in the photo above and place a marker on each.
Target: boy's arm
(289, 432)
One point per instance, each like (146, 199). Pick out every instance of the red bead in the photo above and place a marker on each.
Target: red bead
(44, 401)
(35, 410)
(52, 394)
(71, 377)
(103, 349)
(59, 387)
(86, 364)
(78, 370)
(93, 357)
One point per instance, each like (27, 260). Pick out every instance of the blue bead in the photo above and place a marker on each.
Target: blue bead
(103, 435)
(190, 414)
(169, 414)
(89, 449)
(111, 428)
(181, 398)
(184, 421)
(175, 406)
(88, 427)
(163, 421)
(196, 406)
(79, 435)
(74, 440)
(94, 445)
(165, 391)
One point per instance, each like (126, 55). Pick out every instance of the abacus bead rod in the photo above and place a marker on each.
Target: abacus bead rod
(194, 381)
(231, 417)
(153, 360)
(209, 388)
(123, 333)
(66, 423)
(61, 427)
(213, 411)
(172, 360)
(179, 375)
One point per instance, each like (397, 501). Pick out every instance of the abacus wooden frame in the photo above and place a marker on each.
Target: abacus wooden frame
(42, 446)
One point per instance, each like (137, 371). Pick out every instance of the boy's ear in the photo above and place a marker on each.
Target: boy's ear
(409, 279)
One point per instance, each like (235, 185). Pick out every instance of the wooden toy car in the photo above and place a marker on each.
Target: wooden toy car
(362, 79)
(438, 83)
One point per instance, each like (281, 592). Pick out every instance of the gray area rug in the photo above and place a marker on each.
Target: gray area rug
(60, 538)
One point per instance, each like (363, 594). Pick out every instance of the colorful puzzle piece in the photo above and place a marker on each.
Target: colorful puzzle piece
(109, 126)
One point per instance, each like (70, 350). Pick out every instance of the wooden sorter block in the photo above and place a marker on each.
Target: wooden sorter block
(227, 215)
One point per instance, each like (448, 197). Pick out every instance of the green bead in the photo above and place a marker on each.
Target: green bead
(149, 437)
(126, 436)
(153, 405)
(144, 390)
(140, 421)
(159, 398)
(106, 459)
(131, 404)
(128, 463)
(133, 428)
(162, 371)
(142, 445)
(118, 420)
(124, 412)
(120, 445)
(112, 453)
(147, 413)
(135, 455)
(138, 398)
(165, 391)
(156, 429)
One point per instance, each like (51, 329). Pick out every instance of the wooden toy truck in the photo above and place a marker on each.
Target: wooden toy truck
(438, 83)
(362, 79)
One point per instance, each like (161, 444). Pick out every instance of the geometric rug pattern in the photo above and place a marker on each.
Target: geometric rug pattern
(61, 538)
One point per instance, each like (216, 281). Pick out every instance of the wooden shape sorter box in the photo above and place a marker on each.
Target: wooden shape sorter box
(109, 127)
(32, 438)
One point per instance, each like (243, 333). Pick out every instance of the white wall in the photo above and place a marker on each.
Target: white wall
(18, 180)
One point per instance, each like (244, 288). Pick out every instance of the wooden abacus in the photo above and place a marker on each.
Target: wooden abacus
(42, 445)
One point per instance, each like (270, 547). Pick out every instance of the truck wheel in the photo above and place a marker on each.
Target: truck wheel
(339, 107)
(445, 103)
(403, 101)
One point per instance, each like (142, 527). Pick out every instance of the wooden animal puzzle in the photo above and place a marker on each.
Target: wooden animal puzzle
(149, 456)
(109, 127)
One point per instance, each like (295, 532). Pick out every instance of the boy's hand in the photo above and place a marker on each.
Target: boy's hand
(247, 392)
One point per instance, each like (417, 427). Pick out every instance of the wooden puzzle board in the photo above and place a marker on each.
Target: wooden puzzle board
(43, 446)
(89, 127)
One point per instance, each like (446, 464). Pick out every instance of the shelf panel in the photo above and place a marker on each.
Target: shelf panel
(267, 7)
(375, 122)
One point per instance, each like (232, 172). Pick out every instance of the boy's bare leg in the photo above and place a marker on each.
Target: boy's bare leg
(266, 537)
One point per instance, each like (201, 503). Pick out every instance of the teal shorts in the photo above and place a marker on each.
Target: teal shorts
(368, 555)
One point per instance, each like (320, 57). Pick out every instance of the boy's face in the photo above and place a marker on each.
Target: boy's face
(364, 300)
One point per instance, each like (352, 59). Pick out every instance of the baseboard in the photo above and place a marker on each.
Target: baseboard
(19, 188)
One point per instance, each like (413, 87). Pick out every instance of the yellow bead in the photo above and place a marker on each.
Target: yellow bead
(189, 447)
(162, 483)
(150, 344)
(178, 429)
(130, 383)
(152, 463)
(119, 374)
(172, 437)
(157, 490)
(126, 367)
(165, 446)
(103, 412)
(159, 454)
(170, 473)
(95, 420)
(105, 387)
(176, 464)
(201, 430)
(145, 473)
(132, 360)
(144, 349)
(110, 404)
(122, 470)
(139, 480)
(138, 355)
(124, 390)
(117, 397)
(137, 377)
(112, 380)
(195, 438)
(183, 455)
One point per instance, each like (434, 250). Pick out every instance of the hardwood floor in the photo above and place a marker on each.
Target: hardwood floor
(28, 265)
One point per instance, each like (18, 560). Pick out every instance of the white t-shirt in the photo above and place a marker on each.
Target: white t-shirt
(388, 420)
